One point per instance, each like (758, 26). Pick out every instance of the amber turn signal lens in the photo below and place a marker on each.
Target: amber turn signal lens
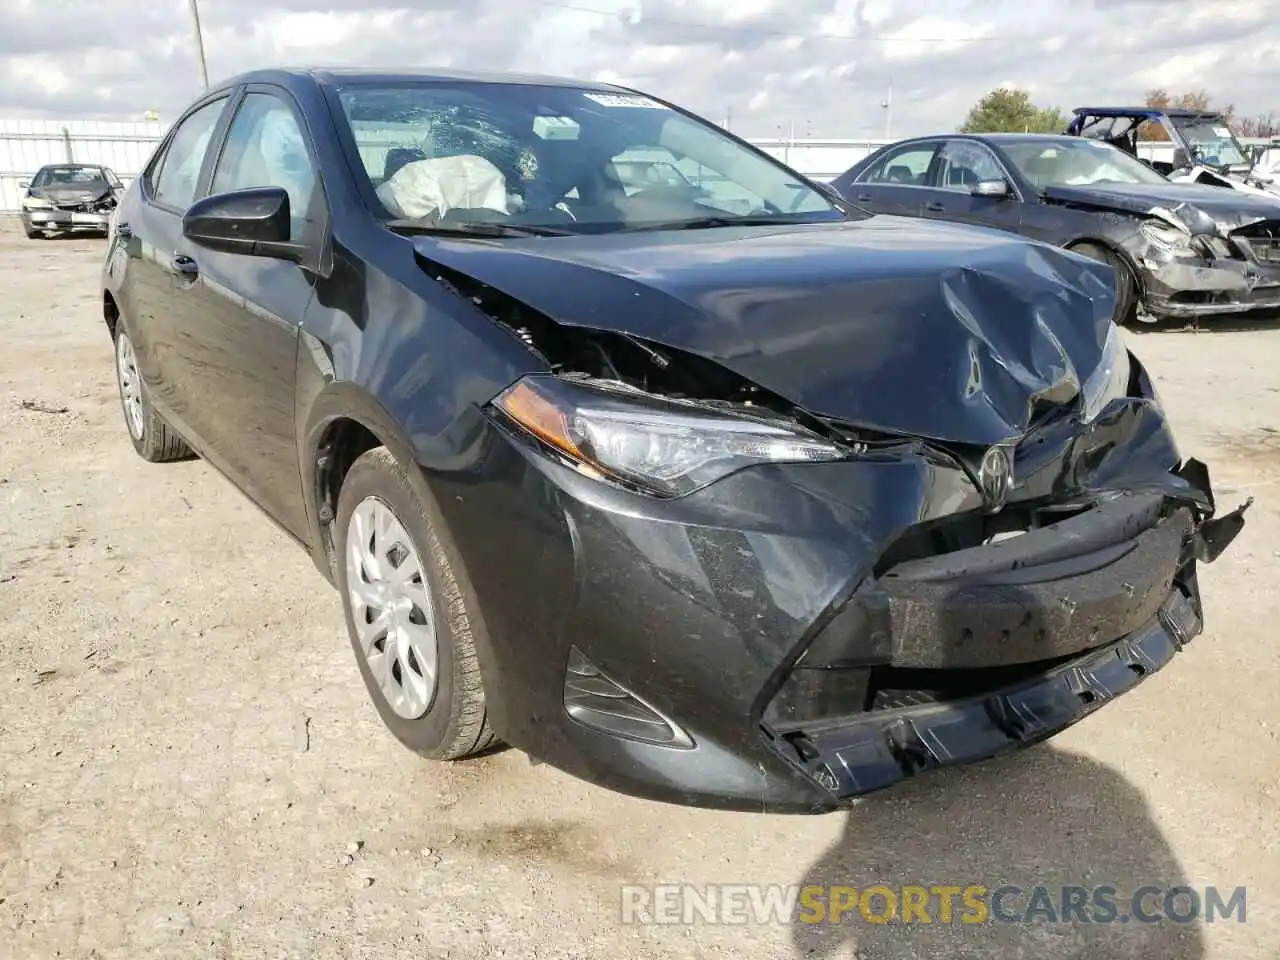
(538, 413)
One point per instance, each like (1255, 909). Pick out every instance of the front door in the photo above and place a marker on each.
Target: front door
(241, 314)
(960, 166)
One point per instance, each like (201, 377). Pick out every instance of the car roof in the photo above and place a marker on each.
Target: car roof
(73, 164)
(995, 138)
(1143, 112)
(335, 76)
(1028, 137)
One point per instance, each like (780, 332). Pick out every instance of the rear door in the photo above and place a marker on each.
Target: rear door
(152, 238)
(897, 183)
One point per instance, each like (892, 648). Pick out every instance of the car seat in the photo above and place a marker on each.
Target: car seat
(900, 173)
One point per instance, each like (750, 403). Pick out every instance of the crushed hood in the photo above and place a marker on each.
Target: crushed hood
(1231, 209)
(937, 330)
(72, 192)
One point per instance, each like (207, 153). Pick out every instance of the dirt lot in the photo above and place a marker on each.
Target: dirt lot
(189, 766)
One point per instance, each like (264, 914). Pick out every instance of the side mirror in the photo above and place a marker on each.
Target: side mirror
(23, 184)
(991, 188)
(253, 222)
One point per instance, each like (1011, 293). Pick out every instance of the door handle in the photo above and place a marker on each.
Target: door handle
(934, 206)
(864, 198)
(184, 266)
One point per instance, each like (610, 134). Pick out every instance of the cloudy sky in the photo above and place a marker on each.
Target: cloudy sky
(823, 65)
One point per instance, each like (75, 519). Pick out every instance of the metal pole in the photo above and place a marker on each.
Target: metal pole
(888, 108)
(204, 70)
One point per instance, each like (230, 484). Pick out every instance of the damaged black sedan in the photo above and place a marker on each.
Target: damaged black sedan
(703, 487)
(1179, 250)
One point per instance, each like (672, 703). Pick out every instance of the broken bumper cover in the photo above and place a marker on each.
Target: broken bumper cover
(658, 648)
(888, 746)
(43, 218)
(1196, 288)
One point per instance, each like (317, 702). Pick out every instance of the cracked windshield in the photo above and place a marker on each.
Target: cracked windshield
(561, 158)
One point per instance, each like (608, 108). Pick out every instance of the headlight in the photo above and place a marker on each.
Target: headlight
(1110, 378)
(664, 447)
(35, 203)
(1166, 236)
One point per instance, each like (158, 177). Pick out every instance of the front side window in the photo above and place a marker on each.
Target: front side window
(963, 164)
(179, 174)
(266, 148)
(906, 166)
(559, 157)
(1076, 162)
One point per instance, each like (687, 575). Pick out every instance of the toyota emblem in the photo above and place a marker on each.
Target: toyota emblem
(995, 477)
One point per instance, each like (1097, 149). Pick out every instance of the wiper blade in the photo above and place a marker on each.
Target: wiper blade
(463, 229)
(704, 223)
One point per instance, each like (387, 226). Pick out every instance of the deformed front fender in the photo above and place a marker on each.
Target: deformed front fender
(339, 402)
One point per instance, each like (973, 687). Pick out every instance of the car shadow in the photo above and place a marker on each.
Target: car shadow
(1041, 818)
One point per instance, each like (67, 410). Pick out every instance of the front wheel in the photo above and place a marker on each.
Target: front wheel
(1126, 289)
(406, 614)
(153, 439)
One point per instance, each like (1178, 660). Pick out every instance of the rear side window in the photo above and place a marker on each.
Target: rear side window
(179, 173)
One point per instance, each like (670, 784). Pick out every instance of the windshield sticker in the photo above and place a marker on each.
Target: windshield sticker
(556, 128)
(1221, 132)
(624, 100)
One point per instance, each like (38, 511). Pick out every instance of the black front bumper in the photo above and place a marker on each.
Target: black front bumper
(875, 751)
(786, 638)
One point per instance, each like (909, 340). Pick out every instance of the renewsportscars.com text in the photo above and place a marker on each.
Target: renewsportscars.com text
(935, 903)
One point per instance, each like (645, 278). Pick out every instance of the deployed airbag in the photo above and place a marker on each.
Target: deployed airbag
(429, 189)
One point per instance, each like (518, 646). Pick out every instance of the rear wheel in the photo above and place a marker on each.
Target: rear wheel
(406, 614)
(153, 439)
(1126, 289)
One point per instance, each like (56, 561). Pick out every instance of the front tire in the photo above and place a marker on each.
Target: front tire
(1126, 289)
(406, 614)
(152, 438)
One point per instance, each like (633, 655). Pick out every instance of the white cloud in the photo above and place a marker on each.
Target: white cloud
(931, 36)
(823, 64)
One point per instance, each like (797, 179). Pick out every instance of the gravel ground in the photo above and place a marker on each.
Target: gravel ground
(189, 766)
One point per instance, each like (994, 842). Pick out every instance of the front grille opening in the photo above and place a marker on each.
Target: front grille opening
(892, 688)
(1262, 230)
(962, 531)
(1200, 297)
